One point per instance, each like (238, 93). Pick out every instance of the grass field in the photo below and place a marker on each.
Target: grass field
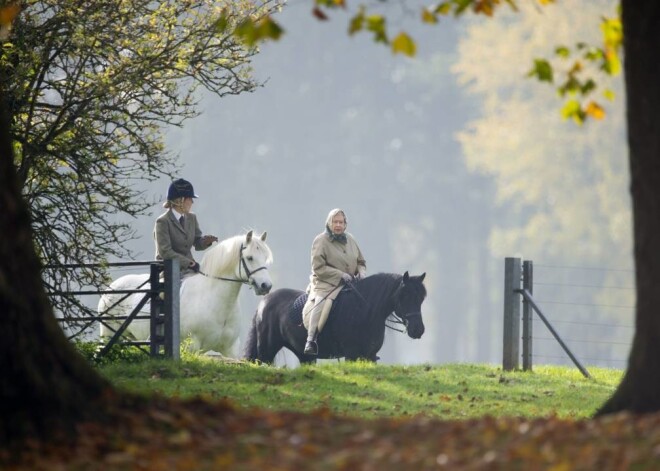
(448, 391)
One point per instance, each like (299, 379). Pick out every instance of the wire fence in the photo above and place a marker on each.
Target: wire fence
(591, 308)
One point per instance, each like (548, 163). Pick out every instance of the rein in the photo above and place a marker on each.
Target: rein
(242, 265)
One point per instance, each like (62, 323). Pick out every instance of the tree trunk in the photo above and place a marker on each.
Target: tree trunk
(46, 385)
(639, 390)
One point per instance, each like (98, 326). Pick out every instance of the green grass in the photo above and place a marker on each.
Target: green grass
(449, 391)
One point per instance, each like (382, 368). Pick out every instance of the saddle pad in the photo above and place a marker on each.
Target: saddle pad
(297, 307)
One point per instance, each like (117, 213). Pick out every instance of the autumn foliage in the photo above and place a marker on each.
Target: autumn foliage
(168, 434)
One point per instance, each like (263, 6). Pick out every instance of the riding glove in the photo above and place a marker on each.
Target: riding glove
(195, 267)
(207, 240)
(346, 278)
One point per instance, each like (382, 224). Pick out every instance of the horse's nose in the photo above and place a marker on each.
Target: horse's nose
(416, 333)
(265, 287)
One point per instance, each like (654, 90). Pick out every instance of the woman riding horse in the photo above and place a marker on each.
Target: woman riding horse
(336, 260)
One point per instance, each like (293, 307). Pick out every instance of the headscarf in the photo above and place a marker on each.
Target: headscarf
(341, 237)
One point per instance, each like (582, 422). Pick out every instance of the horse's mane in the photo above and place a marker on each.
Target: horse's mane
(380, 287)
(223, 257)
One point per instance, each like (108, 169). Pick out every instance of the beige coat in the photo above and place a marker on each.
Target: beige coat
(331, 259)
(176, 241)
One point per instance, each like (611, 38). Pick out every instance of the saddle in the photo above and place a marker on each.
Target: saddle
(298, 316)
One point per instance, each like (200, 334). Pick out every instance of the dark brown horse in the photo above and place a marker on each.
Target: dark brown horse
(355, 328)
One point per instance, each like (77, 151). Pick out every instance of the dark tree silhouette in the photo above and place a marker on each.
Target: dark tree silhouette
(46, 384)
(639, 390)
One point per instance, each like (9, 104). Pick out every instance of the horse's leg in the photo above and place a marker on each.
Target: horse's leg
(362, 355)
(267, 350)
(306, 359)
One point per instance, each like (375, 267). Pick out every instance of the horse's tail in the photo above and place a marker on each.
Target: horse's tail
(250, 352)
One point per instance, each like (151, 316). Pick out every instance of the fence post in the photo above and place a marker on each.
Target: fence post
(171, 311)
(528, 284)
(510, 359)
(156, 307)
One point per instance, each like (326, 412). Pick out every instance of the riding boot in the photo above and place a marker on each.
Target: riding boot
(311, 347)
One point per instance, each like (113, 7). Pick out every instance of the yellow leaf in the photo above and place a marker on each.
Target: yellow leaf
(222, 23)
(443, 9)
(357, 22)
(404, 44)
(269, 29)
(572, 109)
(428, 16)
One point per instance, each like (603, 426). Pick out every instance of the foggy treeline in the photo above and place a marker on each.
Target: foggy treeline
(444, 164)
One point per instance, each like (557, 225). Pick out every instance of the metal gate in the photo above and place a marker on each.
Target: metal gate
(162, 293)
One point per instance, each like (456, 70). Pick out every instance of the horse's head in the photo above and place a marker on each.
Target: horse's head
(408, 300)
(256, 257)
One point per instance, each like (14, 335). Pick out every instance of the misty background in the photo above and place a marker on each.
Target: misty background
(444, 164)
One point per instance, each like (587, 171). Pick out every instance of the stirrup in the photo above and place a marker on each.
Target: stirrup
(311, 348)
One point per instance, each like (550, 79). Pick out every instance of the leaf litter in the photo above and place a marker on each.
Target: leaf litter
(169, 434)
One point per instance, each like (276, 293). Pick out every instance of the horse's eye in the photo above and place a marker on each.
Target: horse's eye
(250, 258)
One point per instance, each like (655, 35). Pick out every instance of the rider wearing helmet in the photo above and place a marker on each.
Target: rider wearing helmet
(177, 231)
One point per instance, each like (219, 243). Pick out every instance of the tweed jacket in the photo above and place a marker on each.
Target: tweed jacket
(174, 240)
(330, 260)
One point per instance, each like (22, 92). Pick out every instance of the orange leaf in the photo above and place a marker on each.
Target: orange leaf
(595, 110)
(8, 13)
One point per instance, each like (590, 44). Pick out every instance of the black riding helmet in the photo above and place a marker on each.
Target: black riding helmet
(180, 188)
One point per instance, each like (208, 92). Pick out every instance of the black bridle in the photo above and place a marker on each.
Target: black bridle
(403, 319)
(241, 266)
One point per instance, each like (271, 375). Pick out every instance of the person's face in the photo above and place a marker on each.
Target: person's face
(338, 224)
(187, 205)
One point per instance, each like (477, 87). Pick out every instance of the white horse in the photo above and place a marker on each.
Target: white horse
(209, 305)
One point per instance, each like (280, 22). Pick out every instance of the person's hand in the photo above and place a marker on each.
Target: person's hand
(346, 278)
(207, 240)
(194, 266)
(360, 276)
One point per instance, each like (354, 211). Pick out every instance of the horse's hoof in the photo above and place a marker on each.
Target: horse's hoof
(311, 348)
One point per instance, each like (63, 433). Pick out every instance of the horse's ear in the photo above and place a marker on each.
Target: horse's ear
(263, 236)
(421, 277)
(406, 277)
(248, 237)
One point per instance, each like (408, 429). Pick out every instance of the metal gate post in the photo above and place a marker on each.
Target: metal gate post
(510, 350)
(171, 309)
(528, 284)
